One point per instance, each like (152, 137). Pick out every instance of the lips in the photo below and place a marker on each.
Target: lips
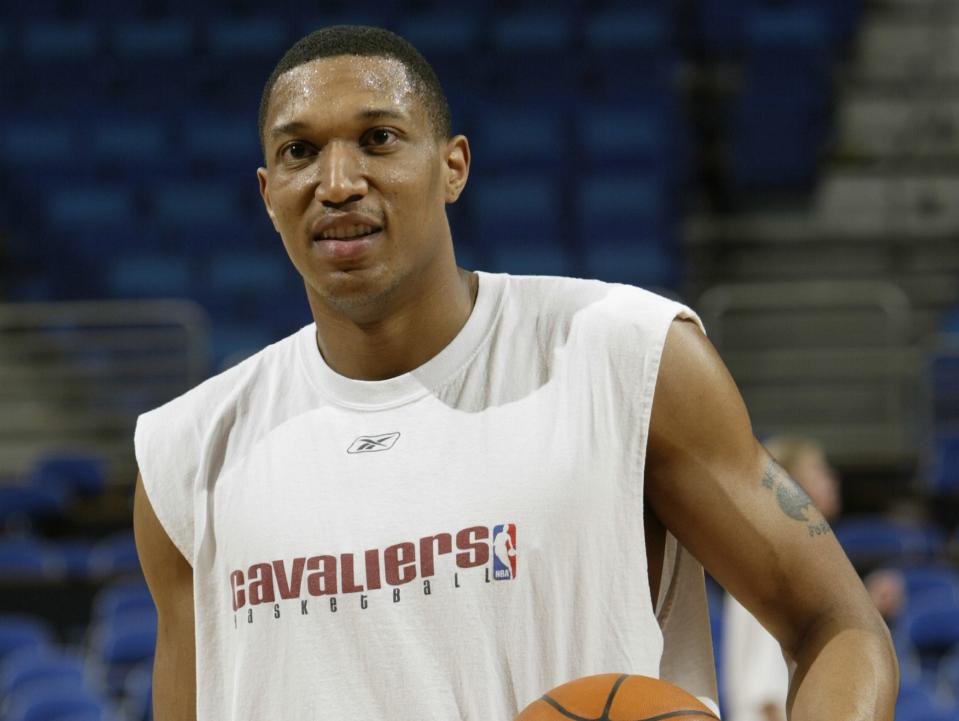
(347, 232)
(344, 226)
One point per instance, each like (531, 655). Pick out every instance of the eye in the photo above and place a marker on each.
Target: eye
(297, 150)
(379, 137)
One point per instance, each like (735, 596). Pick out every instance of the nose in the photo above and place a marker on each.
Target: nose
(340, 178)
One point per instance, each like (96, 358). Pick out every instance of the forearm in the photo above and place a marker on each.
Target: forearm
(174, 678)
(845, 673)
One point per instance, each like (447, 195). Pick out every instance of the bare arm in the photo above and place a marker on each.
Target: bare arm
(170, 578)
(753, 528)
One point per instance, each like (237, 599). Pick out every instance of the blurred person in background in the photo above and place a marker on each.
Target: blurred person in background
(756, 674)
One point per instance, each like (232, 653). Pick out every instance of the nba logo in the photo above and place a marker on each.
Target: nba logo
(504, 552)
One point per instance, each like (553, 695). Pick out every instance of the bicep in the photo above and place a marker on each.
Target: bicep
(717, 490)
(170, 579)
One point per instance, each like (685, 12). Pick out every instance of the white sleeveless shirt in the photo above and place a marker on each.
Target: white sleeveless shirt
(447, 544)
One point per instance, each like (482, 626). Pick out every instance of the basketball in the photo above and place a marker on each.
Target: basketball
(616, 697)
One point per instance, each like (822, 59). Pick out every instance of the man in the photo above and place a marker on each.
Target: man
(316, 523)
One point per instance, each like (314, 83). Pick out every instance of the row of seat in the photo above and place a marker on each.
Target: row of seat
(623, 25)
(102, 676)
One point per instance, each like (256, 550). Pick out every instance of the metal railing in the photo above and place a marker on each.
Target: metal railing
(75, 375)
(828, 359)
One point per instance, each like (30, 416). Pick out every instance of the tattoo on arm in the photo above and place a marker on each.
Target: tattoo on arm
(792, 499)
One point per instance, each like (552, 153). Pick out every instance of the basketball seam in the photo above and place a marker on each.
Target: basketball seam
(612, 695)
(681, 712)
(609, 703)
(568, 714)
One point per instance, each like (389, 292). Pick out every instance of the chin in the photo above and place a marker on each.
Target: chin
(357, 290)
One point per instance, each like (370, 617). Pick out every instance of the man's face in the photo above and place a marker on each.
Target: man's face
(356, 179)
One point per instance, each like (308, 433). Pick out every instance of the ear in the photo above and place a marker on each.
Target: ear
(265, 194)
(457, 161)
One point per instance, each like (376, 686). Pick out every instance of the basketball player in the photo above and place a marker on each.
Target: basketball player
(316, 523)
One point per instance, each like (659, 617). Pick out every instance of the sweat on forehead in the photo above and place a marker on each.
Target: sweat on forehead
(332, 82)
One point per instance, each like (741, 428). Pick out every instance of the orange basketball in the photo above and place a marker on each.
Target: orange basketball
(616, 697)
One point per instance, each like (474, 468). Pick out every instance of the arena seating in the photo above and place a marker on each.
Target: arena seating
(127, 148)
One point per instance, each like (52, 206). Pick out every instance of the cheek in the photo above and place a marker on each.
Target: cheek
(290, 196)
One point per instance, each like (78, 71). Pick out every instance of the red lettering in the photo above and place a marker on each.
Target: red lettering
(346, 568)
(261, 589)
(373, 569)
(400, 561)
(444, 544)
(469, 540)
(323, 582)
(289, 588)
(239, 595)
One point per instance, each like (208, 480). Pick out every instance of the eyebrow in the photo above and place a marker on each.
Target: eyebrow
(296, 126)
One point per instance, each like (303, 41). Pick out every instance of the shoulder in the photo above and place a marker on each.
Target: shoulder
(222, 394)
(592, 306)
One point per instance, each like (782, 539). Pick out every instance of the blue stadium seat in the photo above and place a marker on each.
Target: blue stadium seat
(160, 40)
(30, 672)
(127, 640)
(118, 600)
(194, 204)
(869, 541)
(507, 137)
(652, 266)
(57, 702)
(116, 554)
(947, 675)
(443, 32)
(72, 473)
(380, 14)
(129, 141)
(261, 273)
(943, 370)
(531, 260)
(932, 624)
(58, 40)
(794, 26)
(247, 37)
(623, 34)
(24, 502)
(518, 210)
(91, 207)
(149, 275)
(450, 39)
(220, 141)
(28, 141)
(718, 25)
(21, 636)
(539, 43)
(916, 703)
(29, 557)
(646, 140)
(933, 581)
(138, 692)
(233, 341)
(75, 555)
(630, 207)
(944, 477)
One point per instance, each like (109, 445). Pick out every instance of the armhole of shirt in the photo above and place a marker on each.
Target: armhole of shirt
(163, 503)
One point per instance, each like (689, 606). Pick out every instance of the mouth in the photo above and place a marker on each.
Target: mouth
(346, 242)
(347, 232)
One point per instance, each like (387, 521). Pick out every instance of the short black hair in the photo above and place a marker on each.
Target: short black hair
(370, 42)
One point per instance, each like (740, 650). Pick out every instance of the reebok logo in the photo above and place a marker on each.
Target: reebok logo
(368, 444)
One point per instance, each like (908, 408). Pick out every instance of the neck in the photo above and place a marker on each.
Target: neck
(415, 328)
